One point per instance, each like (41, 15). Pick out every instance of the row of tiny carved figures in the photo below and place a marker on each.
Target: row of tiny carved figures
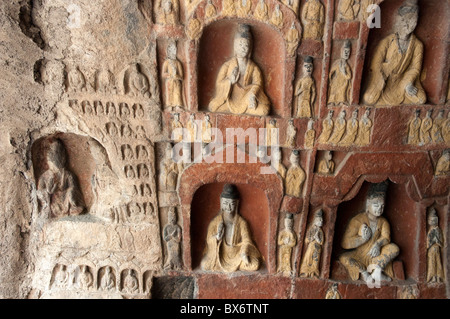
(124, 110)
(134, 213)
(125, 131)
(129, 154)
(428, 130)
(82, 278)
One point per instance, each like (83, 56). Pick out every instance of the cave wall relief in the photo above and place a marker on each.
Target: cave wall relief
(344, 185)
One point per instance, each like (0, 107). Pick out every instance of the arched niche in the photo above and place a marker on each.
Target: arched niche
(405, 219)
(216, 47)
(253, 207)
(432, 30)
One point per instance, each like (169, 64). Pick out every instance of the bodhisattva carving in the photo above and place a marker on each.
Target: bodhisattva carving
(425, 129)
(340, 78)
(397, 63)
(244, 8)
(169, 171)
(210, 10)
(262, 11)
(368, 237)
(351, 131)
(314, 241)
(229, 8)
(291, 134)
(305, 91)
(192, 128)
(58, 190)
(333, 292)
(414, 129)
(76, 80)
(292, 4)
(310, 135)
(272, 136)
(443, 164)
(436, 130)
(340, 126)
(287, 240)
(292, 40)
(229, 245)
(277, 164)
(348, 9)
(365, 126)
(130, 283)
(239, 85)
(326, 165)
(167, 11)
(207, 130)
(172, 236)
(313, 18)
(277, 17)
(177, 128)
(435, 242)
(172, 72)
(138, 85)
(327, 128)
(108, 280)
(295, 177)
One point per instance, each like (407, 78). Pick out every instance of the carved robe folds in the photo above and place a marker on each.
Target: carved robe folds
(236, 98)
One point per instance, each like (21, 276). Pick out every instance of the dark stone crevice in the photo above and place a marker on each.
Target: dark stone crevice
(27, 25)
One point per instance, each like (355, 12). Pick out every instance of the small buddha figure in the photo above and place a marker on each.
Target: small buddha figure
(124, 111)
(239, 85)
(177, 128)
(333, 292)
(348, 9)
(76, 80)
(310, 135)
(229, 245)
(327, 128)
(314, 241)
(326, 165)
(436, 129)
(143, 171)
(435, 242)
(262, 11)
(192, 129)
(130, 283)
(138, 82)
(425, 129)
(305, 91)
(207, 130)
(292, 4)
(351, 131)
(108, 280)
(277, 163)
(291, 134)
(87, 108)
(277, 17)
(443, 164)
(229, 8)
(168, 171)
(292, 40)
(272, 133)
(287, 240)
(397, 63)
(105, 81)
(58, 190)
(365, 125)
(172, 236)
(85, 279)
(414, 129)
(127, 152)
(210, 10)
(313, 18)
(127, 132)
(340, 78)
(168, 11)
(61, 277)
(295, 177)
(368, 239)
(339, 128)
(172, 73)
(112, 112)
(244, 8)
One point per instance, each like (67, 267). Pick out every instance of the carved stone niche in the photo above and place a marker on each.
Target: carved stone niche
(405, 223)
(268, 53)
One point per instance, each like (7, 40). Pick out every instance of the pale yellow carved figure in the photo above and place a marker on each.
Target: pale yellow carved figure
(292, 40)
(351, 131)
(443, 164)
(292, 4)
(435, 242)
(425, 129)
(287, 240)
(365, 126)
(310, 135)
(229, 8)
(305, 91)
(414, 129)
(333, 292)
(194, 29)
(277, 163)
(313, 18)
(436, 129)
(244, 8)
(229, 246)
(291, 134)
(167, 11)
(169, 171)
(192, 129)
(277, 17)
(239, 85)
(326, 165)
(340, 126)
(348, 9)
(262, 11)
(340, 78)
(314, 241)
(327, 128)
(295, 177)
(365, 6)
(172, 72)
(210, 10)
(368, 237)
(177, 129)
(272, 136)
(207, 130)
(397, 64)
